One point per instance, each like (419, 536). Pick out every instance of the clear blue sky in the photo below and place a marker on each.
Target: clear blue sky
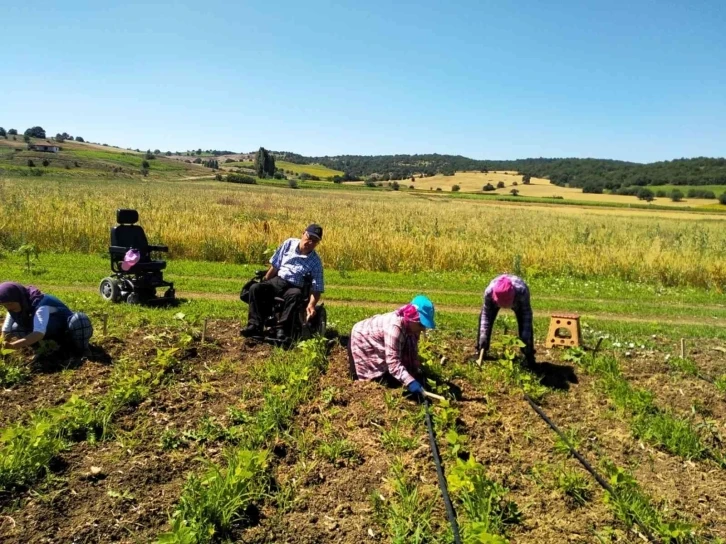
(635, 80)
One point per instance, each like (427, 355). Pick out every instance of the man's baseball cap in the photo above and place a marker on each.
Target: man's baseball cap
(315, 230)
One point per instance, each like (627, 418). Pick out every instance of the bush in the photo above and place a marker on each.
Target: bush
(370, 183)
(660, 193)
(395, 186)
(645, 194)
(455, 188)
(149, 155)
(218, 177)
(500, 185)
(676, 195)
(31, 164)
(80, 139)
(592, 188)
(700, 193)
(515, 183)
(145, 164)
(228, 161)
(12, 132)
(76, 164)
(722, 199)
(197, 161)
(526, 179)
(514, 192)
(411, 187)
(304, 176)
(3, 134)
(241, 178)
(144, 172)
(280, 175)
(488, 187)
(292, 183)
(46, 163)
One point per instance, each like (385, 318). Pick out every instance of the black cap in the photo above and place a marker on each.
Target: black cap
(315, 230)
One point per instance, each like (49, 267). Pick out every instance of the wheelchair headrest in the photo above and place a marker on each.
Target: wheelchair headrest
(126, 217)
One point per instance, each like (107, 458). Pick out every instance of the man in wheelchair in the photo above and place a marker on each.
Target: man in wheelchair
(285, 279)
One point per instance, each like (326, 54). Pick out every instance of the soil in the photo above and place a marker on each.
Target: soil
(130, 498)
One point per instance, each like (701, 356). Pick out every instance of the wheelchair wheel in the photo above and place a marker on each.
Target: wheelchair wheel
(110, 289)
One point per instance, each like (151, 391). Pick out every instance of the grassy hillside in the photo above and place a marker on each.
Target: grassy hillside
(82, 160)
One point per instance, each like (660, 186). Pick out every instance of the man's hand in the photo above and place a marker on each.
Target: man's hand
(310, 311)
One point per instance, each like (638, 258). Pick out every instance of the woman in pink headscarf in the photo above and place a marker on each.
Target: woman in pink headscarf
(387, 344)
(507, 291)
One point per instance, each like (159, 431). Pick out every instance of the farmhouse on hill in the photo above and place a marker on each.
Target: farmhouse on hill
(49, 148)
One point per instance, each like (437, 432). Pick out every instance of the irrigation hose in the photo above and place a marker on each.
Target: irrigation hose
(603, 483)
(440, 474)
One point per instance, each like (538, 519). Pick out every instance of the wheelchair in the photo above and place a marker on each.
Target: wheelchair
(300, 328)
(137, 285)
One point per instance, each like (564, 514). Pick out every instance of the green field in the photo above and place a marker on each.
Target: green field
(313, 169)
(716, 189)
(178, 430)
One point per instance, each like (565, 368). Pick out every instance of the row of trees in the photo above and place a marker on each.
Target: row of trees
(38, 132)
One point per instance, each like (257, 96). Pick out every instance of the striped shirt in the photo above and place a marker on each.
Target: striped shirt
(381, 344)
(292, 265)
(522, 310)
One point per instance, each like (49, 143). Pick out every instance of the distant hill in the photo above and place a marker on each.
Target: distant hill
(592, 175)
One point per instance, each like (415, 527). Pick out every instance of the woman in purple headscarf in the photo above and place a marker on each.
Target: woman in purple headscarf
(33, 316)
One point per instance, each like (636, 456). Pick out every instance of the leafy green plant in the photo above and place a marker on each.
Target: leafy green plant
(574, 485)
(632, 506)
(171, 440)
(406, 514)
(12, 369)
(31, 253)
(210, 505)
(337, 449)
(394, 439)
(485, 508)
(26, 451)
(573, 437)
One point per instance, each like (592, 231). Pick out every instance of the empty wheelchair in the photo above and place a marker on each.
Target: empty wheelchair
(300, 328)
(135, 284)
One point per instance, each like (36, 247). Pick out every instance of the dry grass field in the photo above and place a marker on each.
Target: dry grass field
(473, 182)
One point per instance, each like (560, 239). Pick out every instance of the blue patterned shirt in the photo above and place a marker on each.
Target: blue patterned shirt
(292, 265)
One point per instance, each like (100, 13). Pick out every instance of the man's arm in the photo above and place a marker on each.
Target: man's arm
(314, 298)
(524, 323)
(271, 273)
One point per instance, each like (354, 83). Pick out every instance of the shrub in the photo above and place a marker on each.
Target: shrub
(228, 161)
(500, 185)
(370, 183)
(3, 134)
(700, 193)
(241, 178)
(31, 164)
(455, 188)
(722, 199)
(80, 139)
(411, 187)
(145, 164)
(645, 194)
(46, 162)
(515, 183)
(526, 179)
(280, 175)
(292, 183)
(218, 177)
(660, 193)
(438, 188)
(676, 195)
(395, 186)
(75, 163)
(144, 172)
(488, 187)
(197, 161)
(514, 192)
(12, 132)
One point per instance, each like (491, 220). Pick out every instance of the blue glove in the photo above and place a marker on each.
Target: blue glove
(415, 388)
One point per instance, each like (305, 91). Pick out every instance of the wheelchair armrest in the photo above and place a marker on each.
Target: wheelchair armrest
(118, 250)
(163, 249)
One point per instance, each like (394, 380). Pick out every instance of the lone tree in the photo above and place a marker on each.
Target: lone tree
(3, 134)
(645, 194)
(514, 192)
(264, 163)
(13, 131)
(35, 132)
(676, 195)
(80, 139)
(455, 188)
(488, 187)
(500, 185)
(526, 178)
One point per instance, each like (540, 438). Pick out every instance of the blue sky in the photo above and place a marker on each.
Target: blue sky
(634, 80)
